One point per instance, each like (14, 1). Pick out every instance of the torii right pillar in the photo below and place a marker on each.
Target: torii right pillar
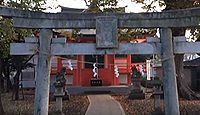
(169, 75)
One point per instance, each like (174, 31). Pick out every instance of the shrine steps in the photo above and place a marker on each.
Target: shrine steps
(98, 90)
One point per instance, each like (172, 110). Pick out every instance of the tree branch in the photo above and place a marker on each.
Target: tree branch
(87, 4)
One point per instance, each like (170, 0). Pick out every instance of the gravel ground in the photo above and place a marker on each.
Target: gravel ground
(77, 105)
(146, 107)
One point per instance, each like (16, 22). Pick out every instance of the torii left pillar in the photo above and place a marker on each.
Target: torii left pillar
(41, 102)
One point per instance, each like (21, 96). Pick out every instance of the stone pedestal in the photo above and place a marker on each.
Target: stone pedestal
(59, 93)
(136, 91)
(157, 93)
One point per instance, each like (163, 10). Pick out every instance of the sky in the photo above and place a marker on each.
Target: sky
(131, 7)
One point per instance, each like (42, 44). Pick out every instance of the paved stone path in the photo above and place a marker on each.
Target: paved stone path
(104, 105)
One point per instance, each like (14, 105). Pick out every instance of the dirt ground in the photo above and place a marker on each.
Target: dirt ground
(146, 106)
(77, 105)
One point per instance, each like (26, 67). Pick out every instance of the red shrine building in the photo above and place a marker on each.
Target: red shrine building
(83, 66)
(81, 71)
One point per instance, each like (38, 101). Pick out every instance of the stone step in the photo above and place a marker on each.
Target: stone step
(136, 91)
(97, 92)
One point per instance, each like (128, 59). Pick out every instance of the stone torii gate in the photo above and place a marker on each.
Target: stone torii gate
(106, 25)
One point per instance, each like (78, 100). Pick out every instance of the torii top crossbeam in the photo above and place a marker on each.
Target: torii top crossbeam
(31, 19)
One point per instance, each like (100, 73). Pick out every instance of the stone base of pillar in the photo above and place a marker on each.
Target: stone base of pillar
(59, 113)
(136, 94)
(136, 91)
(158, 112)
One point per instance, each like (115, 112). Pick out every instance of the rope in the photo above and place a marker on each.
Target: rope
(88, 62)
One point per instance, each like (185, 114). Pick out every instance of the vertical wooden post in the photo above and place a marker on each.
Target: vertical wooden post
(128, 62)
(43, 73)
(59, 64)
(79, 68)
(82, 58)
(169, 75)
(106, 61)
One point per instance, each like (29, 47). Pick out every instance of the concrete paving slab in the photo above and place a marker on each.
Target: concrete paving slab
(104, 105)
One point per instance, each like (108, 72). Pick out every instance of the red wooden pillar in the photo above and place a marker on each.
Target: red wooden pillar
(115, 79)
(110, 66)
(59, 64)
(129, 68)
(106, 61)
(77, 76)
(81, 68)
